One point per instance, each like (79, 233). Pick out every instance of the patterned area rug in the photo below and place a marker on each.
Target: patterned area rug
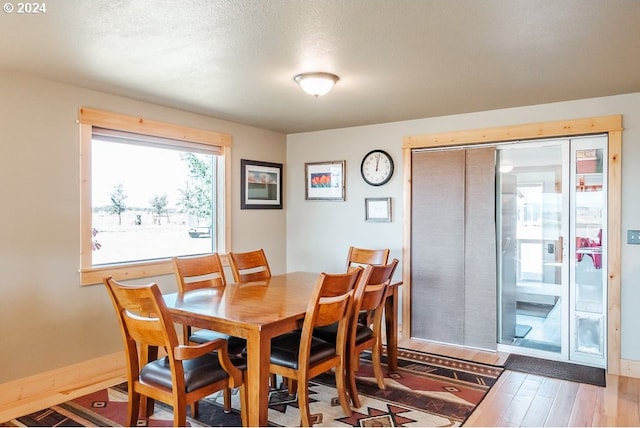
(427, 390)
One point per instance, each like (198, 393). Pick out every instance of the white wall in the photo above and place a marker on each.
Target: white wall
(47, 320)
(319, 232)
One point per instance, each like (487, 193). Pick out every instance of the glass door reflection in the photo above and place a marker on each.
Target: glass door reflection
(532, 229)
(588, 270)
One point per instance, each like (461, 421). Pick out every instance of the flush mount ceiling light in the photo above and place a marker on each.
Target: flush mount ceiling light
(316, 84)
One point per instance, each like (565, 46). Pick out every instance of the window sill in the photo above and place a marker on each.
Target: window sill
(121, 272)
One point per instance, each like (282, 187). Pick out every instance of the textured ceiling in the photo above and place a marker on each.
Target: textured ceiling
(397, 59)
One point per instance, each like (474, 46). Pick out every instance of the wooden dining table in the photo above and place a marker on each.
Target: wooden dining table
(259, 311)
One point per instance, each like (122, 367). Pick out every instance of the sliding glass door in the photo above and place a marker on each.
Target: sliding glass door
(551, 203)
(532, 226)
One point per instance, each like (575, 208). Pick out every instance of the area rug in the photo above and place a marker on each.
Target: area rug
(426, 390)
(557, 369)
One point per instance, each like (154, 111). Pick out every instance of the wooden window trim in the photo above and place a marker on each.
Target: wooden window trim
(611, 125)
(88, 118)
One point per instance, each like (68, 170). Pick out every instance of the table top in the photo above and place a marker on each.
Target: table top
(251, 304)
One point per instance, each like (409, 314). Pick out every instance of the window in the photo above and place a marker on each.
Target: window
(150, 191)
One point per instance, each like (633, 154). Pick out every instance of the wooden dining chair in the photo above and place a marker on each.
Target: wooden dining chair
(249, 266)
(364, 256)
(206, 271)
(369, 296)
(300, 356)
(200, 272)
(182, 377)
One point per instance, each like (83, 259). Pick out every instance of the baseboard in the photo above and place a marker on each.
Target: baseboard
(630, 368)
(27, 395)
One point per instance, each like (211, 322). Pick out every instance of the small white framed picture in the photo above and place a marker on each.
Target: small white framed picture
(377, 210)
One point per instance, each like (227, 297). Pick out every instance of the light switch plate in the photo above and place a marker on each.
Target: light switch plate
(633, 237)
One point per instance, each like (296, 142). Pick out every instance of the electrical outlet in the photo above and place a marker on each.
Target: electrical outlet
(633, 237)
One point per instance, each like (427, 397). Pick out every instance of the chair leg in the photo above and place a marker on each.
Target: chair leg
(341, 387)
(292, 386)
(133, 408)
(147, 407)
(377, 364)
(194, 409)
(227, 399)
(351, 379)
(303, 403)
(180, 413)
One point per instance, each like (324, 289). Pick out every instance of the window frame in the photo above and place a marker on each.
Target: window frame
(88, 118)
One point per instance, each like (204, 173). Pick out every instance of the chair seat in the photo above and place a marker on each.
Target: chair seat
(235, 345)
(198, 372)
(286, 348)
(328, 333)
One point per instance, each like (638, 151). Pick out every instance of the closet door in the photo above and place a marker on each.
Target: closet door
(453, 263)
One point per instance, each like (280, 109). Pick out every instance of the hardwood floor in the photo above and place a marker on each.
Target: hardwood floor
(523, 400)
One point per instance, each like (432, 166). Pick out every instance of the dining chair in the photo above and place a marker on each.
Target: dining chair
(182, 377)
(363, 256)
(249, 266)
(369, 296)
(300, 356)
(204, 272)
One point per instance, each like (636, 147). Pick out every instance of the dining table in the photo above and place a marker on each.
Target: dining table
(259, 311)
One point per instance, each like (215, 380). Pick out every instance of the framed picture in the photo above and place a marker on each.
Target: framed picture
(377, 210)
(261, 185)
(324, 181)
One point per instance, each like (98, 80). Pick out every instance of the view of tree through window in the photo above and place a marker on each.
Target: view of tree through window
(150, 201)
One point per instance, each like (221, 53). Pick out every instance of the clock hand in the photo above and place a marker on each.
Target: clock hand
(377, 160)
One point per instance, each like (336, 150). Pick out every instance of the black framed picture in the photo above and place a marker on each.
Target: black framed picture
(261, 185)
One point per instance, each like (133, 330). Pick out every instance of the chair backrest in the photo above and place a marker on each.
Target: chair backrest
(372, 288)
(364, 256)
(199, 272)
(249, 266)
(144, 322)
(331, 302)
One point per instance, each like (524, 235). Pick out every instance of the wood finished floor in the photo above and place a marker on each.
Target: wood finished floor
(524, 400)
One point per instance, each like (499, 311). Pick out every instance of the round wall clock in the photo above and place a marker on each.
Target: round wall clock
(377, 167)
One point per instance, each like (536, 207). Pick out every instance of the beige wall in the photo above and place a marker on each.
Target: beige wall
(47, 320)
(319, 233)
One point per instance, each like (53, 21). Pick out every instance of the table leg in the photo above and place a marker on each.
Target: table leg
(257, 385)
(391, 326)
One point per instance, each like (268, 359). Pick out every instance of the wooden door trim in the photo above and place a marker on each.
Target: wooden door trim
(611, 125)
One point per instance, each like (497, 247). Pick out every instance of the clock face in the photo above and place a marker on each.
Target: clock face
(377, 167)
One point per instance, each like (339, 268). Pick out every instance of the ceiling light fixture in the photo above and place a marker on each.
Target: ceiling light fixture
(316, 84)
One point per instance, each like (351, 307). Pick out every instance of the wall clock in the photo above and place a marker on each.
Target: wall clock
(377, 167)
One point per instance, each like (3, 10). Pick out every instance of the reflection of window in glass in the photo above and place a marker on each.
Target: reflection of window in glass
(150, 201)
(530, 256)
(530, 205)
(589, 161)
